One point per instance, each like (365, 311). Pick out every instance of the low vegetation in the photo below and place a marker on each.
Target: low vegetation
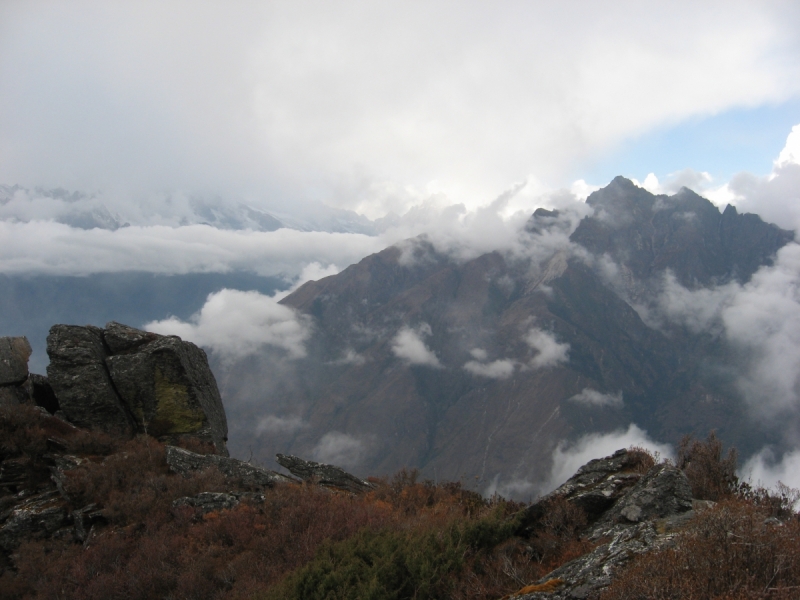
(406, 539)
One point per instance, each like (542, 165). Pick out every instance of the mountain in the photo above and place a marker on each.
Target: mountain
(107, 211)
(479, 368)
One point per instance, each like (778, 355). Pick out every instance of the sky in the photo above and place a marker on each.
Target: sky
(452, 118)
(378, 106)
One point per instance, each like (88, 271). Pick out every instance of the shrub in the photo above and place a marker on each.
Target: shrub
(733, 550)
(712, 476)
(421, 563)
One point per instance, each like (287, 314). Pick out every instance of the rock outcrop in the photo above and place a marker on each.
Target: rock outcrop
(185, 462)
(322, 474)
(124, 381)
(628, 512)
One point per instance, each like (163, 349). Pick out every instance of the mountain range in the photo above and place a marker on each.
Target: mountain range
(479, 367)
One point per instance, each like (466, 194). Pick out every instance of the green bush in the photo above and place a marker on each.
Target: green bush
(393, 564)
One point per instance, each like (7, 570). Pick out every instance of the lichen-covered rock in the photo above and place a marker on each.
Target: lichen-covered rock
(207, 502)
(594, 488)
(327, 475)
(663, 492)
(123, 380)
(40, 515)
(79, 378)
(641, 515)
(167, 386)
(586, 575)
(185, 463)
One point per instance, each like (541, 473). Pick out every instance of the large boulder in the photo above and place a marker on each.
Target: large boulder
(79, 377)
(123, 380)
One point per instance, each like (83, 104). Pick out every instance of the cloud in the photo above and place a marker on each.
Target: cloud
(409, 346)
(54, 248)
(499, 369)
(774, 197)
(568, 458)
(549, 351)
(590, 397)
(235, 323)
(349, 357)
(763, 469)
(760, 320)
(339, 102)
(340, 449)
(275, 424)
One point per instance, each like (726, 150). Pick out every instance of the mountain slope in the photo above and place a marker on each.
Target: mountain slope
(479, 368)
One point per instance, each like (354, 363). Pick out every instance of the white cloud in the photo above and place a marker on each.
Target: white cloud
(549, 352)
(479, 354)
(338, 101)
(235, 323)
(590, 397)
(762, 469)
(775, 197)
(350, 357)
(409, 346)
(568, 458)
(54, 248)
(275, 424)
(340, 449)
(760, 320)
(499, 369)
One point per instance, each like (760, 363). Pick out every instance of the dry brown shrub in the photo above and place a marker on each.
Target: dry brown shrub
(641, 460)
(711, 475)
(555, 538)
(733, 550)
(135, 484)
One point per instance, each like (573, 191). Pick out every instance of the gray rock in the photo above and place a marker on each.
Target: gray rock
(40, 515)
(642, 518)
(663, 492)
(208, 502)
(587, 575)
(123, 380)
(185, 463)
(327, 475)
(12, 395)
(594, 488)
(14, 355)
(80, 380)
(84, 519)
(167, 386)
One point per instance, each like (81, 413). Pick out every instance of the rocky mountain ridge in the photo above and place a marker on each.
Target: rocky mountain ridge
(531, 347)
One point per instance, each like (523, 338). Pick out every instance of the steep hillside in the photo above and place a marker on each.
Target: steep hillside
(478, 368)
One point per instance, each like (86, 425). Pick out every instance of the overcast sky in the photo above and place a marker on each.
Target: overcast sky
(374, 106)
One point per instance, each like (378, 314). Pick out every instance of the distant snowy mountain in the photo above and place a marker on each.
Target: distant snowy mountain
(105, 211)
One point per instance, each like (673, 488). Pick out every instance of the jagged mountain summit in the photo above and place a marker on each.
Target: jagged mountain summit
(478, 368)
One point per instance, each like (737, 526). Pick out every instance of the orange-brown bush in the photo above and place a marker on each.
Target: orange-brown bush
(733, 550)
(640, 459)
(711, 475)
